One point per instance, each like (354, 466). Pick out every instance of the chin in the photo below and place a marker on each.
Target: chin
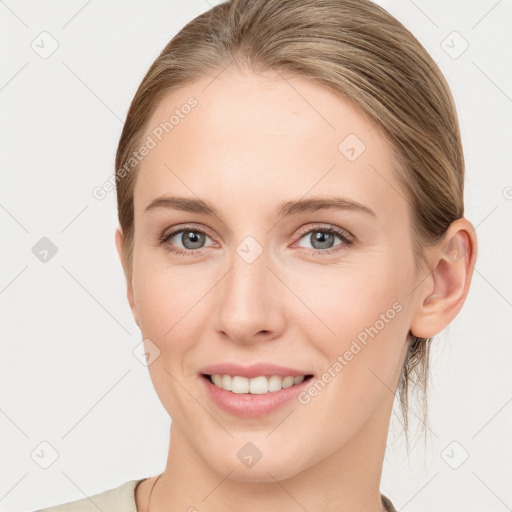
(276, 466)
(261, 473)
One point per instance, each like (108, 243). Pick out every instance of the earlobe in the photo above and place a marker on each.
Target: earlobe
(444, 293)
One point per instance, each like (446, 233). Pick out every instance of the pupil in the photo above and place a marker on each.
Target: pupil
(322, 240)
(192, 239)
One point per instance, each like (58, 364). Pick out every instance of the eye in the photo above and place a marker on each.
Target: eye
(323, 239)
(191, 239)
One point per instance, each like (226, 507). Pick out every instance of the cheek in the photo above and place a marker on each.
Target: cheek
(364, 320)
(171, 309)
(364, 352)
(171, 302)
(353, 297)
(360, 311)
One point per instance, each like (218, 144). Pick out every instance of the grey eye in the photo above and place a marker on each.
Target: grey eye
(321, 239)
(190, 239)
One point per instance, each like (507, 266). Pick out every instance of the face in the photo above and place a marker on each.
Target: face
(290, 246)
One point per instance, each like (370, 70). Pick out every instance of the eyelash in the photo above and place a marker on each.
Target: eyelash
(347, 239)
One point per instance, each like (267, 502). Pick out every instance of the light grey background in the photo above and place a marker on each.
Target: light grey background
(69, 376)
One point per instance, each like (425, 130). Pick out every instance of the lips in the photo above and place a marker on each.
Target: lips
(255, 390)
(254, 370)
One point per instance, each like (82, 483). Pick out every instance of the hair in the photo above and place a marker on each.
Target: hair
(356, 49)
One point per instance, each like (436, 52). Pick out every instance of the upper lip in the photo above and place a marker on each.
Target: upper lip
(253, 370)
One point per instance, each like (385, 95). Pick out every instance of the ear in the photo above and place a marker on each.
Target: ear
(444, 291)
(119, 237)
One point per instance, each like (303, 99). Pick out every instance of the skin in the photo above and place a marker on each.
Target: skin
(253, 142)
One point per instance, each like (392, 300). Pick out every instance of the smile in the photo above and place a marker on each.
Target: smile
(257, 385)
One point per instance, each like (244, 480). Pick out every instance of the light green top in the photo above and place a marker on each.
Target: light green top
(122, 499)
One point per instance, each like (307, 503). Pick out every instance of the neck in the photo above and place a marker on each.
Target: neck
(346, 480)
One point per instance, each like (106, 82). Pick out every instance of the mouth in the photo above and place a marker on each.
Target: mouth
(259, 385)
(256, 396)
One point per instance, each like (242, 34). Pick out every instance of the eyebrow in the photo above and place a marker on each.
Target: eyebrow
(313, 204)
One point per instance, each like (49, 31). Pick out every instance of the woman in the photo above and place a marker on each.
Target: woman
(290, 195)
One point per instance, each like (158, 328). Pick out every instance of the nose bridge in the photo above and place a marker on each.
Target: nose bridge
(248, 302)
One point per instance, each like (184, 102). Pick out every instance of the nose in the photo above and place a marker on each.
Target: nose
(250, 304)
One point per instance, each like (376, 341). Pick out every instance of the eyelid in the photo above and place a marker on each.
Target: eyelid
(327, 227)
(183, 227)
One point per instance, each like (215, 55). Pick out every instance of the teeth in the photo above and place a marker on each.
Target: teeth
(256, 385)
(274, 383)
(288, 382)
(240, 385)
(226, 382)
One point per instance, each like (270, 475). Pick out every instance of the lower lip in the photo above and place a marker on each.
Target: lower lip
(252, 406)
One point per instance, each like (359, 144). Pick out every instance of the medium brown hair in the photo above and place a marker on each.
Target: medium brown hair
(352, 47)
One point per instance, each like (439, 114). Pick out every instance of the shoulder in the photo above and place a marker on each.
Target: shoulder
(119, 499)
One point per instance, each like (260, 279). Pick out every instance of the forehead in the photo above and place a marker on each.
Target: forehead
(243, 139)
